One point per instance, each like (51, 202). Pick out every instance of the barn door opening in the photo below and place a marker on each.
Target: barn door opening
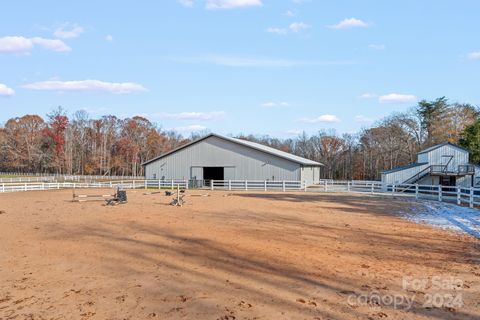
(448, 181)
(213, 173)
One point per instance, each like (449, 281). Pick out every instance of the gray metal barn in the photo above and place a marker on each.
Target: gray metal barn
(217, 157)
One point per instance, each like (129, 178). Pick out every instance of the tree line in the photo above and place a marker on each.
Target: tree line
(114, 146)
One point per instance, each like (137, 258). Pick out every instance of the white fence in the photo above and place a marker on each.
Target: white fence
(255, 185)
(65, 176)
(33, 186)
(347, 186)
(27, 179)
(458, 195)
(159, 184)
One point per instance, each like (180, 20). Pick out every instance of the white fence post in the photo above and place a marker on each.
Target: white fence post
(211, 184)
(393, 189)
(416, 191)
(246, 184)
(325, 185)
(3, 187)
(348, 186)
(304, 186)
(372, 188)
(146, 183)
(471, 197)
(283, 185)
(133, 184)
(265, 185)
(440, 190)
(159, 184)
(459, 195)
(229, 185)
(172, 184)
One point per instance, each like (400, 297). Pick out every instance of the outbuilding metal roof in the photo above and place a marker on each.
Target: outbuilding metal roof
(413, 165)
(253, 145)
(441, 145)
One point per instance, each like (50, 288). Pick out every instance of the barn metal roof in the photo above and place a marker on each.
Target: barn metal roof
(441, 145)
(253, 145)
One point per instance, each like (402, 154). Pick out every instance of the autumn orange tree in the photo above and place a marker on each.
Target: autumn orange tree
(112, 146)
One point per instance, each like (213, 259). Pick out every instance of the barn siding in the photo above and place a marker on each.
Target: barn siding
(435, 157)
(242, 162)
(402, 175)
(311, 175)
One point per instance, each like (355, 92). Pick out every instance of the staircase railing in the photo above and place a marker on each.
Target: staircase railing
(419, 175)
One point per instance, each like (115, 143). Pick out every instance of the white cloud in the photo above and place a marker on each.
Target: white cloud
(293, 27)
(369, 95)
(255, 62)
(193, 115)
(290, 13)
(363, 119)
(19, 44)
(349, 23)
(397, 98)
(326, 118)
(231, 4)
(271, 104)
(294, 132)
(281, 31)
(298, 26)
(6, 91)
(191, 128)
(109, 38)
(86, 85)
(68, 31)
(474, 55)
(378, 47)
(187, 3)
(15, 44)
(51, 44)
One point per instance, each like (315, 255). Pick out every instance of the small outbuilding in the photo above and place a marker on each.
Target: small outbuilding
(217, 157)
(444, 164)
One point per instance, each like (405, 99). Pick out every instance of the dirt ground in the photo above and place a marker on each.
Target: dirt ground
(241, 256)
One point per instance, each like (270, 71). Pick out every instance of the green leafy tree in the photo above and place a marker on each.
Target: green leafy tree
(471, 141)
(431, 114)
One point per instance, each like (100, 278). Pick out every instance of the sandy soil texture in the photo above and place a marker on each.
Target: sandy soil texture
(241, 256)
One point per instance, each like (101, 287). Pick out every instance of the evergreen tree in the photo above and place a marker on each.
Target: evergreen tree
(471, 141)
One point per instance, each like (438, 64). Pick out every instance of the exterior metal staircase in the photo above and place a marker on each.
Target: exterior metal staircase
(442, 170)
(418, 176)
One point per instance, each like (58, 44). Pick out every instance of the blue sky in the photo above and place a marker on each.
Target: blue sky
(238, 66)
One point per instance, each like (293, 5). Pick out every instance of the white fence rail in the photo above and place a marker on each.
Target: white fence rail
(158, 184)
(27, 179)
(17, 187)
(14, 175)
(453, 194)
(347, 186)
(255, 185)
(458, 195)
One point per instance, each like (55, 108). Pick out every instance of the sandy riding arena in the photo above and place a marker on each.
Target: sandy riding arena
(230, 256)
